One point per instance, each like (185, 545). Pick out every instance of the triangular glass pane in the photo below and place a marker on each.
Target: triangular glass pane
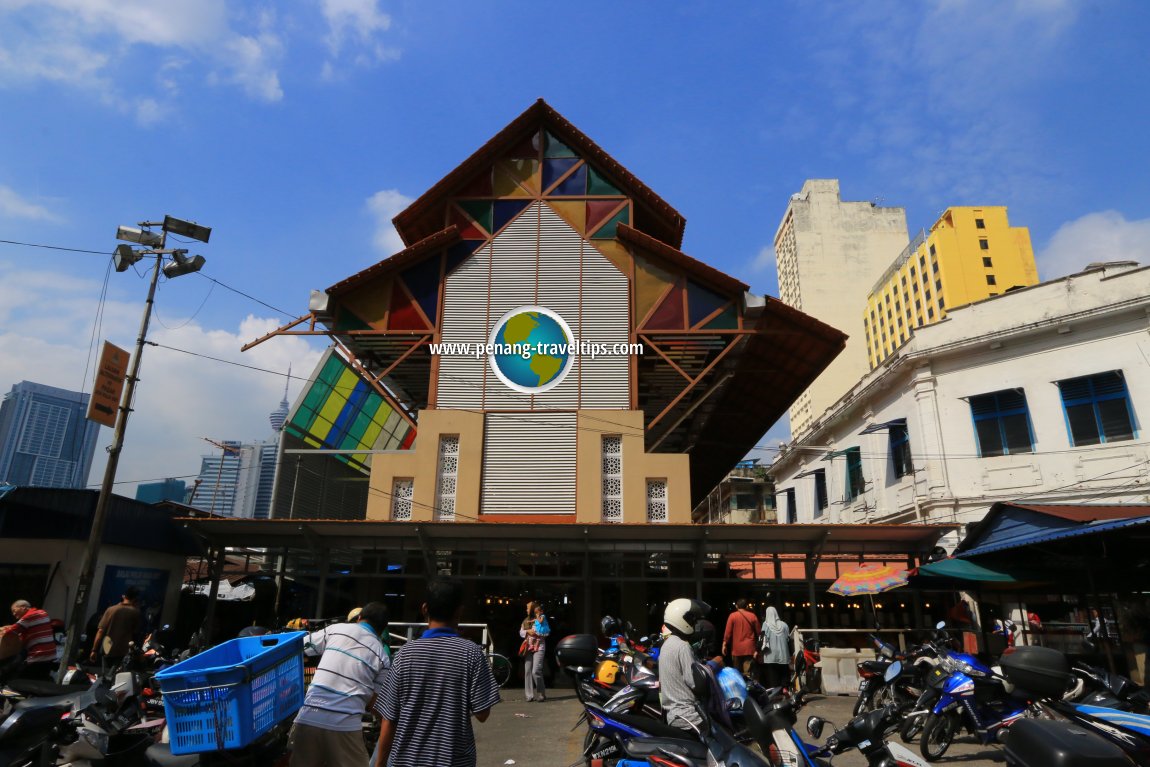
(553, 170)
(404, 315)
(574, 213)
(556, 148)
(480, 210)
(599, 210)
(505, 210)
(702, 303)
(467, 228)
(526, 172)
(726, 320)
(669, 315)
(459, 252)
(423, 282)
(505, 185)
(596, 184)
(574, 185)
(607, 231)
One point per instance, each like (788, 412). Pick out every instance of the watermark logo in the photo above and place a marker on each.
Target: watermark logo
(531, 349)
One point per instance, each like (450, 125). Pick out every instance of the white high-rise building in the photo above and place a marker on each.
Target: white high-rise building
(829, 253)
(238, 481)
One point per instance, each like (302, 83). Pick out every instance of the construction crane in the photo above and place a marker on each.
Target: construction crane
(226, 450)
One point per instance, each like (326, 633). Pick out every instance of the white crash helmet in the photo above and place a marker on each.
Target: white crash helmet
(682, 614)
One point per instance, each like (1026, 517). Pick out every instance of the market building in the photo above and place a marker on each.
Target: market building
(628, 377)
(566, 472)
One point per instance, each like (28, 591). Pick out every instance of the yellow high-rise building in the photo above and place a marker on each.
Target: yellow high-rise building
(970, 254)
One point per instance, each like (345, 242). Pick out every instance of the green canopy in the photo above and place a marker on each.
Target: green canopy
(965, 570)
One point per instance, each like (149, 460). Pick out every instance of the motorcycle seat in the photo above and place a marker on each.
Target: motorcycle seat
(160, 755)
(655, 727)
(31, 688)
(641, 748)
(62, 702)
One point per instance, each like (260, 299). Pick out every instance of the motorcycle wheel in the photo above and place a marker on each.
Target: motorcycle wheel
(883, 696)
(937, 734)
(911, 728)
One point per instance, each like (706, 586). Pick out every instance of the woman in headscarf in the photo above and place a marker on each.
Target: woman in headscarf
(775, 646)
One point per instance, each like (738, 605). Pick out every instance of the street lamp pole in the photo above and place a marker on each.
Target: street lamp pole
(88, 563)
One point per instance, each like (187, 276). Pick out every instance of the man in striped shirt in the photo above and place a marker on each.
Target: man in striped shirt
(34, 628)
(438, 682)
(328, 729)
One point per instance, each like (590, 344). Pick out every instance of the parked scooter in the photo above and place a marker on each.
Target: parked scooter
(808, 674)
(973, 696)
(1045, 673)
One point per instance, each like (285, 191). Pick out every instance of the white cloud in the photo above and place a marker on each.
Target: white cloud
(385, 205)
(354, 30)
(765, 260)
(90, 45)
(1101, 236)
(12, 205)
(180, 398)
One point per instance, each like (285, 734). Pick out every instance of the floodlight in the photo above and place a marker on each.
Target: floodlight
(181, 264)
(187, 228)
(125, 256)
(142, 236)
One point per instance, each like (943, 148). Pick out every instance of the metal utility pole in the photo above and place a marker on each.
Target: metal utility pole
(125, 256)
(100, 518)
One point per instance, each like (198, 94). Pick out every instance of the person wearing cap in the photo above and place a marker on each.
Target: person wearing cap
(353, 666)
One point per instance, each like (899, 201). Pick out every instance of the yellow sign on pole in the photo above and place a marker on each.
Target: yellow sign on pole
(109, 385)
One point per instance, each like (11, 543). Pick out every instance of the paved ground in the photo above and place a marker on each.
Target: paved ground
(540, 735)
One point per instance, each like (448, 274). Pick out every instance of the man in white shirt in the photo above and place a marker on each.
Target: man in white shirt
(354, 664)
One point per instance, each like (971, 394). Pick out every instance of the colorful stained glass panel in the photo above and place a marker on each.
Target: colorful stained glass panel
(553, 170)
(701, 302)
(341, 411)
(597, 184)
(669, 315)
(480, 210)
(608, 229)
(573, 185)
(505, 210)
(556, 148)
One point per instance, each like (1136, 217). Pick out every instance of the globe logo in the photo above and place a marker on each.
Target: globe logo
(531, 349)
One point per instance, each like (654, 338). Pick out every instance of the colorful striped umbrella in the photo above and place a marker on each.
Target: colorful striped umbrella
(869, 579)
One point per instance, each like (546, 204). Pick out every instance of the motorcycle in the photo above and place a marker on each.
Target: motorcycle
(808, 675)
(1045, 674)
(970, 695)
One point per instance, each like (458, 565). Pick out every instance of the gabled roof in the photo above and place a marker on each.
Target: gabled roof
(1012, 526)
(406, 257)
(418, 221)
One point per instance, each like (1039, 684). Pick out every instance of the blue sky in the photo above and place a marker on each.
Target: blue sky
(296, 129)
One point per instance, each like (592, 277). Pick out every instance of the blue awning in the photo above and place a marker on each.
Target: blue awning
(1056, 534)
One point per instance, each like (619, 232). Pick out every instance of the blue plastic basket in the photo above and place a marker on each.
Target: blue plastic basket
(228, 696)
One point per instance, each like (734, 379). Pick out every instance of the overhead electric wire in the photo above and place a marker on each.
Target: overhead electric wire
(56, 247)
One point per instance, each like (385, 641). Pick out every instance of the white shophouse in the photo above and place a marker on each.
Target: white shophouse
(1040, 394)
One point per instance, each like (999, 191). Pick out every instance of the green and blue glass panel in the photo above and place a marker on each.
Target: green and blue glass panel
(341, 411)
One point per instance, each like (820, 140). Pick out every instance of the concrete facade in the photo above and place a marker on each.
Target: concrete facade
(968, 255)
(828, 252)
(1032, 344)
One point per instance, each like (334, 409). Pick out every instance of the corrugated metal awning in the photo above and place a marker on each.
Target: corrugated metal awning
(1054, 535)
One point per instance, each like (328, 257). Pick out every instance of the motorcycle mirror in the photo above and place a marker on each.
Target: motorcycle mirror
(892, 671)
(940, 625)
(815, 726)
